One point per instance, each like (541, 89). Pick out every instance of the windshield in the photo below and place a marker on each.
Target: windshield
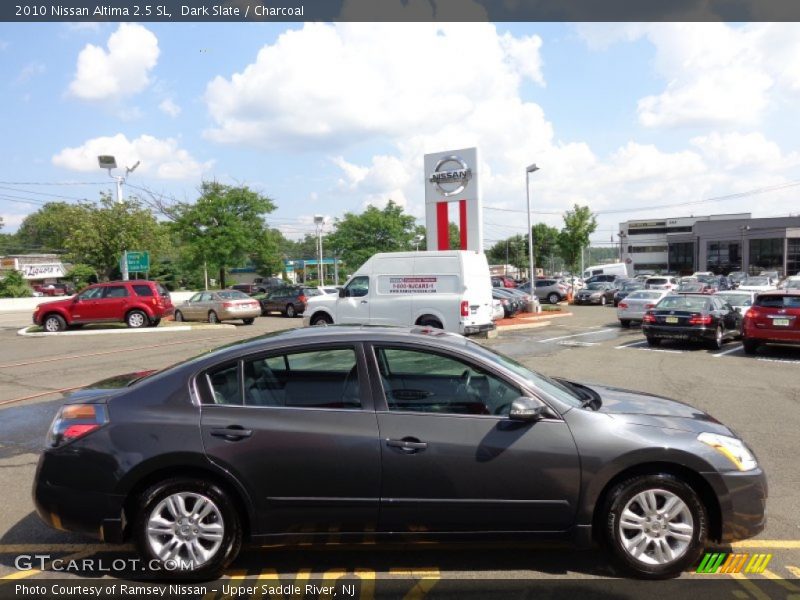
(548, 386)
(596, 286)
(756, 281)
(644, 295)
(736, 299)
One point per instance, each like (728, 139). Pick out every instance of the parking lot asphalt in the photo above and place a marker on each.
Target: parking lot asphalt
(759, 397)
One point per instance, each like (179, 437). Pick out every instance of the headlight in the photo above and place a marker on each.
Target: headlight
(734, 449)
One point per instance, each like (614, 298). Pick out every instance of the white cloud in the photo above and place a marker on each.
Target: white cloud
(169, 107)
(161, 158)
(120, 71)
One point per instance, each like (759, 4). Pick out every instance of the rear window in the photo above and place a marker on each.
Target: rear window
(233, 295)
(644, 295)
(142, 290)
(656, 281)
(684, 303)
(311, 292)
(778, 301)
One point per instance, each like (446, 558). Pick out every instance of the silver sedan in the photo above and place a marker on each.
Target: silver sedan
(219, 306)
(635, 304)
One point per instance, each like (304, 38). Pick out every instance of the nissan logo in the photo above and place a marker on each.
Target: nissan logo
(451, 175)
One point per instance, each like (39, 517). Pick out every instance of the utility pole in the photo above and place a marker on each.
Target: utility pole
(109, 162)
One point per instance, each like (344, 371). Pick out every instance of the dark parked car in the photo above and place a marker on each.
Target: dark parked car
(139, 303)
(511, 304)
(774, 318)
(598, 292)
(626, 287)
(289, 301)
(692, 317)
(393, 431)
(246, 288)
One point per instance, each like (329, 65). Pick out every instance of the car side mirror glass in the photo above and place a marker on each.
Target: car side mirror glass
(527, 410)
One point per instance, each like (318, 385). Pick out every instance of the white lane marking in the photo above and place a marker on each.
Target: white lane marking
(641, 346)
(563, 337)
(577, 344)
(630, 344)
(727, 351)
(780, 360)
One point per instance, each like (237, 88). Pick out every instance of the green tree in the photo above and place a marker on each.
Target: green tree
(13, 285)
(225, 227)
(81, 275)
(358, 236)
(109, 228)
(49, 228)
(514, 248)
(579, 224)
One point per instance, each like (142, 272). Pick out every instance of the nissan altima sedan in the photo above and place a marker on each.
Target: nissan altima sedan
(393, 431)
(219, 306)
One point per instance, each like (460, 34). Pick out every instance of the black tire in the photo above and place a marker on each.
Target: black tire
(178, 316)
(290, 311)
(321, 319)
(719, 339)
(653, 341)
(155, 322)
(226, 515)
(248, 321)
(750, 346)
(553, 298)
(136, 319)
(619, 498)
(433, 322)
(625, 323)
(54, 323)
(213, 317)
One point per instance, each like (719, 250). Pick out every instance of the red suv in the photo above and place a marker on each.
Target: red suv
(773, 318)
(138, 303)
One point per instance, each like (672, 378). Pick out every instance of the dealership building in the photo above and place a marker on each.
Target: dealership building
(718, 243)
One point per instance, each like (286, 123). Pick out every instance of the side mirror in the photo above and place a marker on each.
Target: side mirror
(342, 293)
(527, 410)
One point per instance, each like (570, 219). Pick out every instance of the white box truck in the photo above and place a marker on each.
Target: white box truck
(449, 289)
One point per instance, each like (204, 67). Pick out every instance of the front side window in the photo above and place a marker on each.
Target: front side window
(196, 297)
(358, 287)
(91, 293)
(311, 379)
(421, 381)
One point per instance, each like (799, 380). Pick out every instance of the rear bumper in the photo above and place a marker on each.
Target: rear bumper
(473, 329)
(679, 333)
(251, 313)
(778, 336)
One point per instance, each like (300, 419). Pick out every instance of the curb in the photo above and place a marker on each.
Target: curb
(24, 331)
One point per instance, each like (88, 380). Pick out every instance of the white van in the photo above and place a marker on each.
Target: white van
(618, 269)
(448, 289)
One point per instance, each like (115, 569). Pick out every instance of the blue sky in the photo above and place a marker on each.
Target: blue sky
(329, 118)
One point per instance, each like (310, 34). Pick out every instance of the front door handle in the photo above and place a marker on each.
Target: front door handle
(234, 433)
(363, 302)
(409, 445)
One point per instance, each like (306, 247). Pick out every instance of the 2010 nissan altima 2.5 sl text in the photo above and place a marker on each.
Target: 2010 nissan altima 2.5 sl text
(394, 431)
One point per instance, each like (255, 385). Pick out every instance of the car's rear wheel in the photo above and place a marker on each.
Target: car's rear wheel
(290, 311)
(248, 321)
(136, 319)
(178, 316)
(54, 323)
(653, 341)
(430, 322)
(554, 298)
(750, 346)
(213, 317)
(719, 339)
(189, 527)
(655, 525)
(321, 319)
(625, 322)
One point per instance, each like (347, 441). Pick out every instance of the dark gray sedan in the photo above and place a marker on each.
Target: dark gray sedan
(394, 431)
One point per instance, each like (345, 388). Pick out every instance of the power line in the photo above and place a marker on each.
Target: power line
(41, 193)
(54, 182)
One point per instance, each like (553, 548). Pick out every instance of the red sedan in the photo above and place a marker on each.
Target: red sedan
(774, 318)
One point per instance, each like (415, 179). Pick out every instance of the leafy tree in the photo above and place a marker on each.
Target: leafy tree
(579, 224)
(453, 237)
(49, 228)
(359, 236)
(2, 224)
(225, 227)
(13, 285)
(81, 275)
(515, 248)
(108, 229)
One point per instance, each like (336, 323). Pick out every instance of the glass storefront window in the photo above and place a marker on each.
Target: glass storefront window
(723, 257)
(681, 257)
(793, 257)
(766, 255)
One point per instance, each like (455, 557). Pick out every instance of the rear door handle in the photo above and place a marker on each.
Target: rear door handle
(407, 445)
(234, 433)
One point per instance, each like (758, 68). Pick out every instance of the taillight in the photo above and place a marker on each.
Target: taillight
(751, 313)
(74, 421)
(649, 305)
(302, 299)
(465, 308)
(228, 304)
(648, 318)
(700, 320)
(624, 305)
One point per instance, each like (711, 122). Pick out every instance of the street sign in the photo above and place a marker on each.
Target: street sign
(138, 262)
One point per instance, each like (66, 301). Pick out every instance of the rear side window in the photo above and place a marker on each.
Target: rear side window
(142, 290)
(224, 385)
(116, 291)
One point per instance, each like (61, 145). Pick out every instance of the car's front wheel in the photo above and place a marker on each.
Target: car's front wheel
(189, 528)
(137, 319)
(54, 323)
(655, 525)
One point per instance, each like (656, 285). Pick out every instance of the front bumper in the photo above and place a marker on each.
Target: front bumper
(743, 502)
(698, 334)
(69, 509)
(587, 299)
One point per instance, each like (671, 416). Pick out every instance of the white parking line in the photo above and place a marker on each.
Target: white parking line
(732, 350)
(630, 344)
(563, 337)
(641, 345)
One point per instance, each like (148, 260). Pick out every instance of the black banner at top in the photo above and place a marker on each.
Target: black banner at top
(398, 10)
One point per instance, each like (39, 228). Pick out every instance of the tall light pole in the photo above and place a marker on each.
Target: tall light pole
(108, 162)
(532, 279)
(319, 220)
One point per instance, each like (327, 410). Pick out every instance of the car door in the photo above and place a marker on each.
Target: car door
(84, 308)
(297, 428)
(354, 307)
(190, 309)
(452, 461)
(113, 304)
